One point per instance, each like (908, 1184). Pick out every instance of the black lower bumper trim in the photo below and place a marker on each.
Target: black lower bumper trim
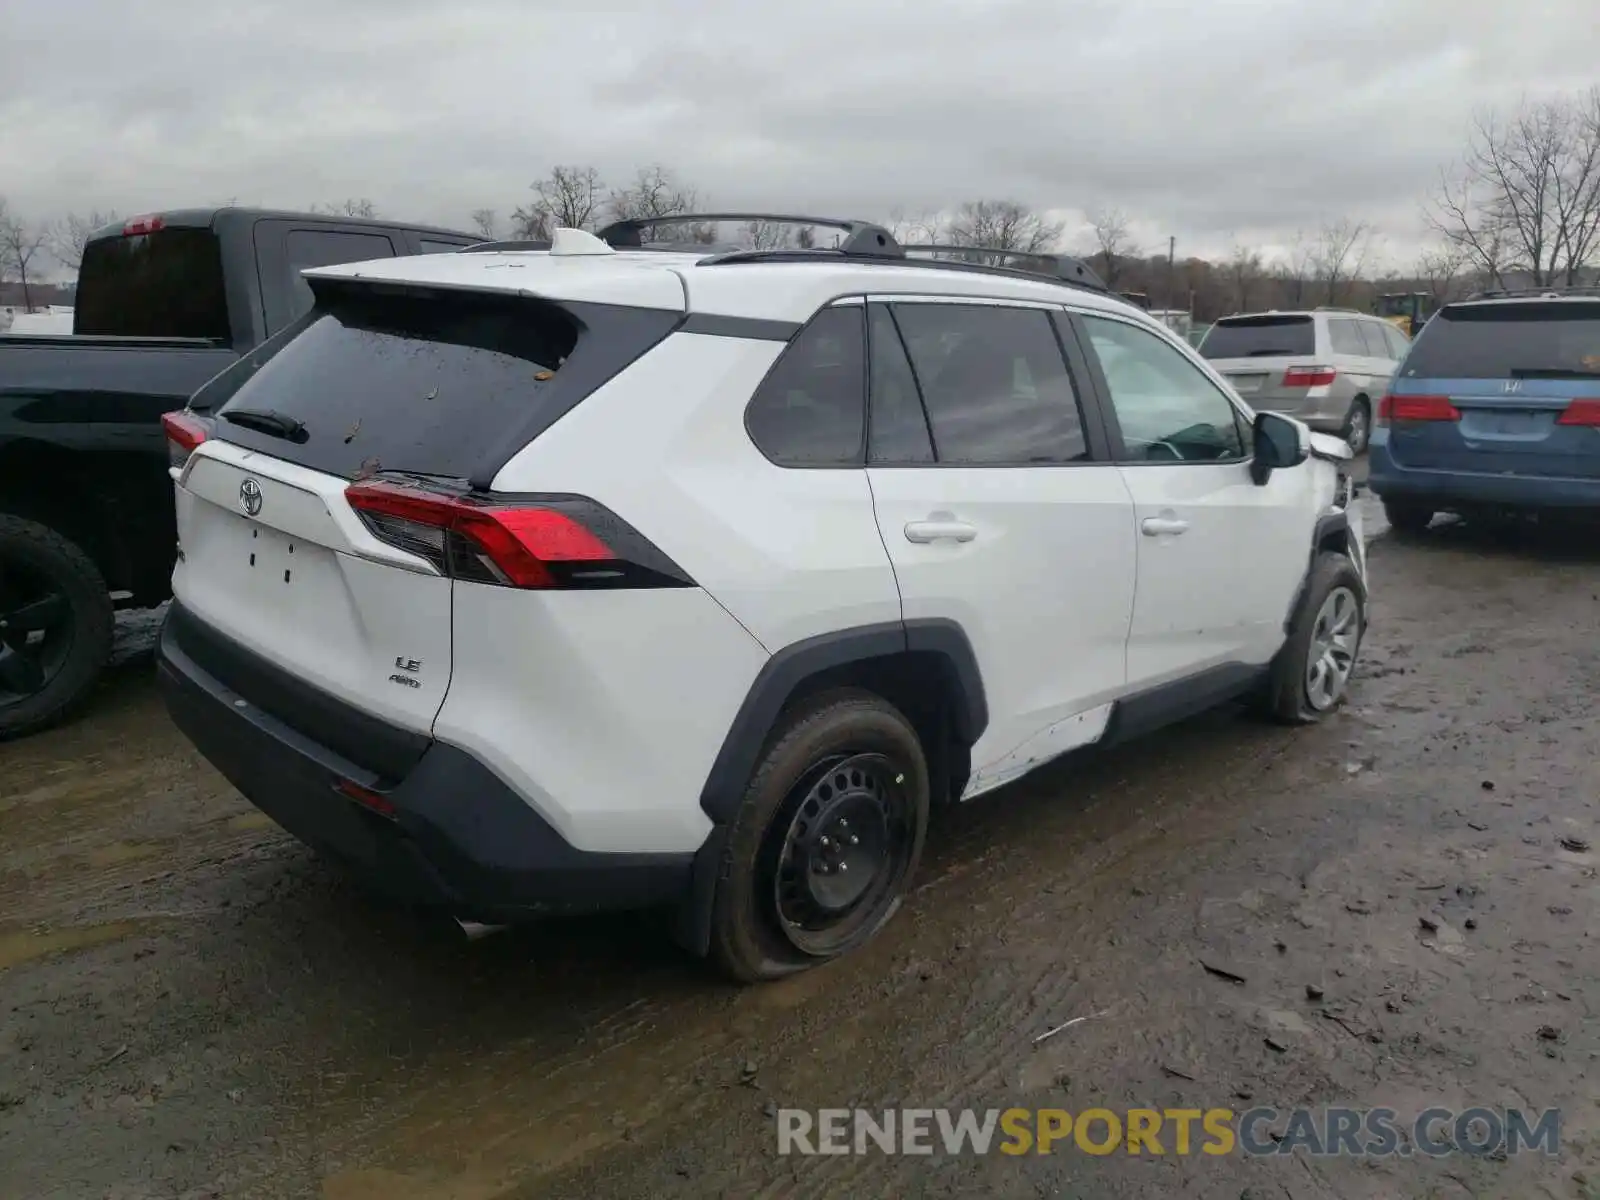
(459, 838)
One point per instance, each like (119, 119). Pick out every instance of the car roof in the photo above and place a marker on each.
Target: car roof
(205, 218)
(791, 289)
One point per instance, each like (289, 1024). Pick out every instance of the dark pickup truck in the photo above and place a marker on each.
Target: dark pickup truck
(164, 304)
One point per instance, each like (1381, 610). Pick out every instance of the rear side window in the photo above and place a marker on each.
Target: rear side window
(1516, 340)
(1398, 344)
(1377, 344)
(162, 284)
(995, 384)
(306, 248)
(429, 384)
(1345, 337)
(810, 410)
(1260, 337)
(432, 247)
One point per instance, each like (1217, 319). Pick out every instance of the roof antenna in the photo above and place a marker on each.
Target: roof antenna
(575, 243)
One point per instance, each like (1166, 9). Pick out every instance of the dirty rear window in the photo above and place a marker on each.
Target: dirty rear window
(427, 382)
(1260, 337)
(1523, 339)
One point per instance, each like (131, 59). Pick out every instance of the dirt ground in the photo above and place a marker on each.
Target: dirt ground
(191, 1005)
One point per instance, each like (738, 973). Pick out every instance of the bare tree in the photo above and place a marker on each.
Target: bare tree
(1338, 254)
(1293, 270)
(770, 235)
(1526, 196)
(569, 198)
(1245, 272)
(68, 236)
(654, 192)
(348, 208)
(1112, 242)
(1003, 225)
(486, 223)
(20, 244)
(1438, 272)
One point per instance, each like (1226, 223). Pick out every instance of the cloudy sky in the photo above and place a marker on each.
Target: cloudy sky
(1214, 120)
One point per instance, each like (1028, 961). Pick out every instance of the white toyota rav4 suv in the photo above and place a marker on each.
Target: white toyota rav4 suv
(606, 575)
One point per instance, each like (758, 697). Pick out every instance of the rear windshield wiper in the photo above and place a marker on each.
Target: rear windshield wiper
(1553, 373)
(275, 424)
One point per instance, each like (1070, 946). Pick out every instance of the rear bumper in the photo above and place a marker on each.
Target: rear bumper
(1449, 489)
(458, 838)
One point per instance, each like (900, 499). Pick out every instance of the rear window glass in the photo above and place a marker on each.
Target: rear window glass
(162, 284)
(1526, 340)
(1260, 337)
(403, 383)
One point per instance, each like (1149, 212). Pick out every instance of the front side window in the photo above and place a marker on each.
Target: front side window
(307, 248)
(811, 408)
(995, 384)
(1167, 409)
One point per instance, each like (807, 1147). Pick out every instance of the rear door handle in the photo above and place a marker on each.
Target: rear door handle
(1156, 526)
(941, 529)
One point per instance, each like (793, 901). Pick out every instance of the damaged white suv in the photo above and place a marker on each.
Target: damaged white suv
(602, 574)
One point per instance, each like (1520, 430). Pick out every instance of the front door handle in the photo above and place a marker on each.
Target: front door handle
(940, 529)
(1156, 526)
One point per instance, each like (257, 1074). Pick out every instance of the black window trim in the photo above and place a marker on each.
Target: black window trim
(1245, 416)
(1090, 418)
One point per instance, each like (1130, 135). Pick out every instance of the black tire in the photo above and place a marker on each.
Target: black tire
(1290, 697)
(844, 731)
(1360, 408)
(1407, 517)
(45, 672)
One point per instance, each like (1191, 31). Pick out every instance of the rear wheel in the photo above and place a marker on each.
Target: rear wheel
(1358, 425)
(827, 838)
(55, 625)
(1407, 517)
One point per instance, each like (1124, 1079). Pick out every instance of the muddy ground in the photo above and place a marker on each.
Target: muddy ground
(191, 1005)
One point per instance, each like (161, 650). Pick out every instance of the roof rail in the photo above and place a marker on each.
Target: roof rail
(861, 238)
(1551, 291)
(1340, 308)
(495, 247)
(1060, 267)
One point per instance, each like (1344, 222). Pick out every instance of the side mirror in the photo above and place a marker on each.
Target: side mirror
(1279, 442)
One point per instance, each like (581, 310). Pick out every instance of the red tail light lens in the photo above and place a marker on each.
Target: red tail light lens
(375, 801)
(538, 542)
(1309, 376)
(142, 225)
(1582, 412)
(184, 432)
(1417, 408)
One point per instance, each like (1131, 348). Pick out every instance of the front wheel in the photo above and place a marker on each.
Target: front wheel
(55, 625)
(826, 840)
(1312, 671)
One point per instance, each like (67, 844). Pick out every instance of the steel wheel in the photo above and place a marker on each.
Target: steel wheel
(36, 632)
(840, 858)
(1334, 639)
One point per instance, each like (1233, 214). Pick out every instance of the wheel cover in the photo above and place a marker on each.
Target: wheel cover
(35, 631)
(843, 846)
(1357, 437)
(1335, 636)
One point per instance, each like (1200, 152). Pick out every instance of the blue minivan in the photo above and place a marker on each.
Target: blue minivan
(1495, 407)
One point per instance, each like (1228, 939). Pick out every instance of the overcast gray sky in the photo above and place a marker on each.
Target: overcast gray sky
(1215, 120)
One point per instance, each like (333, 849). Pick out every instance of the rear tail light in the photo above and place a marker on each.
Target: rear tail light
(1309, 376)
(142, 225)
(1417, 408)
(184, 432)
(1582, 412)
(532, 542)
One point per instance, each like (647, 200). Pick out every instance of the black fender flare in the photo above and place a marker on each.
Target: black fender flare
(1329, 526)
(779, 680)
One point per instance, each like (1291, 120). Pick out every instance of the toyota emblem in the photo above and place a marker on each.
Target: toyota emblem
(250, 497)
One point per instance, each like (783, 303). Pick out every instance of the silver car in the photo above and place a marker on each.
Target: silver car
(1328, 367)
